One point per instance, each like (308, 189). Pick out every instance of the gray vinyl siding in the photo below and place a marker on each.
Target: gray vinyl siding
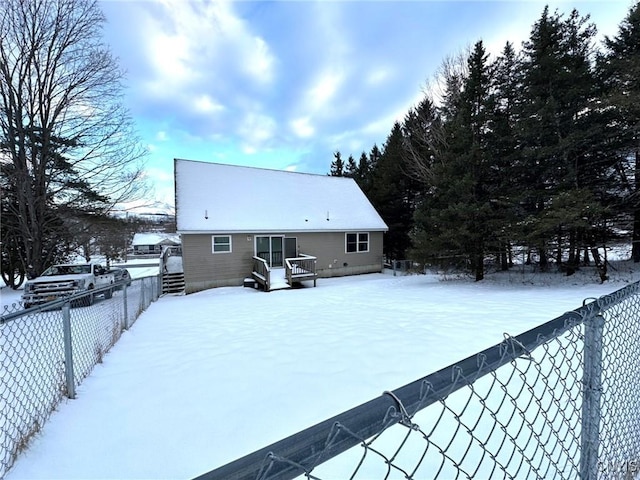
(204, 270)
(333, 261)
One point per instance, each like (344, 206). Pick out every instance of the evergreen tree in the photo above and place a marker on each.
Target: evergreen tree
(456, 219)
(337, 166)
(422, 130)
(534, 150)
(393, 193)
(619, 74)
(559, 132)
(351, 169)
(363, 172)
(374, 157)
(507, 159)
(12, 269)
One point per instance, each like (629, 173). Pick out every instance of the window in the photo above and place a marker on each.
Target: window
(221, 244)
(357, 242)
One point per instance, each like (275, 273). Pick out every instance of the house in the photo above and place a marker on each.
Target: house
(239, 222)
(151, 244)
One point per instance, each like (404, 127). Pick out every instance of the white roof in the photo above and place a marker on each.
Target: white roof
(155, 238)
(217, 198)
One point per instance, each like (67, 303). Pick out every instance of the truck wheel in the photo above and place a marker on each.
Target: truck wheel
(27, 305)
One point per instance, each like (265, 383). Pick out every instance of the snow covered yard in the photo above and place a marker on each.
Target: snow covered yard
(203, 379)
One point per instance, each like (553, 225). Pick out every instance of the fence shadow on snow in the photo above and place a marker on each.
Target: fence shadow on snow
(560, 401)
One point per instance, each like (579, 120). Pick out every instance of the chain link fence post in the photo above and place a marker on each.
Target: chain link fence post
(68, 351)
(592, 393)
(125, 323)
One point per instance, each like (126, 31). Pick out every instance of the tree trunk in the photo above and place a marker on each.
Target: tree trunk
(601, 265)
(544, 260)
(504, 260)
(479, 267)
(559, 250)
(572, 262)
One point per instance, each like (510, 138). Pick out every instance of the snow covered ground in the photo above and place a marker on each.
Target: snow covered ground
(203, 379)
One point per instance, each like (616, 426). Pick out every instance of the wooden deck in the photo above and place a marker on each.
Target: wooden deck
(296, 270)
(300, 268)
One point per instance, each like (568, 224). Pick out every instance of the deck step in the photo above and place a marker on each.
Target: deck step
(173, 282)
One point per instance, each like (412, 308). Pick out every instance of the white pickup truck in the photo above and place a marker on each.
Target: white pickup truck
(60, 281)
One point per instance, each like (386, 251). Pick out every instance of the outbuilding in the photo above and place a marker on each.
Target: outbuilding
(151, 244)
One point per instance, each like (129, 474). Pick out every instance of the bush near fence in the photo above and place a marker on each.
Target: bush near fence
(46, 352)
(560, 401)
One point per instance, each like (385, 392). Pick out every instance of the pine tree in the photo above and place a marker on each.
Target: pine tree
(422, 130)
(337, 166)
(374, 157)
(559, 132)
(619, 71)
(456, 218)
(393, 193)
(363, 171)
(506, 154)
(351, 169)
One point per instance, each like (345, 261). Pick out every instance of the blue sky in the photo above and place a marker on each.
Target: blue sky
(283, 85)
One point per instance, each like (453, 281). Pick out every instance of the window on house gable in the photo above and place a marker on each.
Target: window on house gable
(221, 243)
(357, 242)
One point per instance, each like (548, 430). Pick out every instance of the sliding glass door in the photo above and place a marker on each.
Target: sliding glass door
(271, 249)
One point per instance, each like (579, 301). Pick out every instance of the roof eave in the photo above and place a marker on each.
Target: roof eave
(271, 231)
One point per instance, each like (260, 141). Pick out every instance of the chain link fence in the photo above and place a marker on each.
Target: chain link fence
(46, 351)
(560, 401)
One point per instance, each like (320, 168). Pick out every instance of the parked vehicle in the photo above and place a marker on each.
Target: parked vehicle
(60, 281)
(120, 275)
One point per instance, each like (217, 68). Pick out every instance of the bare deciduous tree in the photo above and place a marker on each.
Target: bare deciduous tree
(423, 124)
(67, 145)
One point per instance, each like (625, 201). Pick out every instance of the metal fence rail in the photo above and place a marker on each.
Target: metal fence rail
(560, 401)
(46, 351)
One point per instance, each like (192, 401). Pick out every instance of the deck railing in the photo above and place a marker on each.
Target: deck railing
(301, 268)
(261, 272)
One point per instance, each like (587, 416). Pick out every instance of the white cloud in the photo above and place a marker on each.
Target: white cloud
(318, 101)
(187, 41)
(251, 52)
(302, 127)
(324, 89)
(205, 104)
(259, 61)
(256, 130)
(169, 57)
(160, 175)
(162, 136)
(378, 76)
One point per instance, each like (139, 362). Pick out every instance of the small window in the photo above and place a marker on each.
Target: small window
(221, 243)
(357, 242)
